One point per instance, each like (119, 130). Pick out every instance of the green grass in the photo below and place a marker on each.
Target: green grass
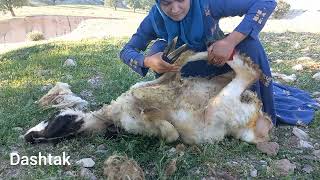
(24, 72)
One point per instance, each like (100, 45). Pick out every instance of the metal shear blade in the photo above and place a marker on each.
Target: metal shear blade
(171, 47)
(173, 56)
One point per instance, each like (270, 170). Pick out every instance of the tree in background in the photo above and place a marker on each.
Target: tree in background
(147, 4)
(281, 10)
(135, 4)
(8, 5)
(111, 3)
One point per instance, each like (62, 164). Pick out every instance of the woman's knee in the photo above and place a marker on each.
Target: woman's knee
(251, 47)
(254, 49)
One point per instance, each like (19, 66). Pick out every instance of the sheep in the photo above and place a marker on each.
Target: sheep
(196, 110)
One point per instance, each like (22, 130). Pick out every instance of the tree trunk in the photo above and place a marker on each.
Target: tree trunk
(12, 12)
(134, 10)
(115, 5)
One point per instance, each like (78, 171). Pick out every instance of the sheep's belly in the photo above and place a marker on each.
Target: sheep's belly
(196, 92)
(189, 124)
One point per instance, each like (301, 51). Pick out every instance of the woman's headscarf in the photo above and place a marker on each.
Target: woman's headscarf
(190, 30)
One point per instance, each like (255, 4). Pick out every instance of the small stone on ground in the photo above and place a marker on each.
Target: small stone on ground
(283, 167)
(270, 148)
(86, 173)
(86, 162)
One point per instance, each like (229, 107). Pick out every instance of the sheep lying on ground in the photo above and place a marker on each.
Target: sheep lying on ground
(198, 110)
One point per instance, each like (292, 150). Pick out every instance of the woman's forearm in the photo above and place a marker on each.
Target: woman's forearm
(235, 38)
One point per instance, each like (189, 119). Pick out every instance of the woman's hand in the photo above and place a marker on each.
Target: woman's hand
(219, 52)
(157, 64)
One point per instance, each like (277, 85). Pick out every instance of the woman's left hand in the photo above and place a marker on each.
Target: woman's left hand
(220, 52)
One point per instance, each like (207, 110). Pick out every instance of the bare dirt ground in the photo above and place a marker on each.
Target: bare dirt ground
(73, 10)
(118, 23)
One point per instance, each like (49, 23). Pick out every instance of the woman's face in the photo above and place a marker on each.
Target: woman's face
(175, 9)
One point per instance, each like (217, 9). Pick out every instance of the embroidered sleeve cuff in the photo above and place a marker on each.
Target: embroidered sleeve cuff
(137, 64)
(140, 60)
(248, 29)
(255, 19)
(141, 70)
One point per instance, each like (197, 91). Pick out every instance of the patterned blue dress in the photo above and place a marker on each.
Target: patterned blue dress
(256, 13)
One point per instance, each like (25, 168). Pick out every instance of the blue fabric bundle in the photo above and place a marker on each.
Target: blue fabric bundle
(293, 106)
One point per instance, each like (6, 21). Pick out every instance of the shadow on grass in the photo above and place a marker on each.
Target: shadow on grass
(24, 53)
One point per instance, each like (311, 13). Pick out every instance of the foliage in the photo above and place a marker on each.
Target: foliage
(35, 36)
(281, 10)
(147, 4)
(8, 5)
(135, 4)
(140, 4)
(111, 3)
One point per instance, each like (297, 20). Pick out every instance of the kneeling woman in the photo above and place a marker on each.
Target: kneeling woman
(196, 23)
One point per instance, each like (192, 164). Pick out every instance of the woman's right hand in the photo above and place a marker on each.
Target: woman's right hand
(157, 64)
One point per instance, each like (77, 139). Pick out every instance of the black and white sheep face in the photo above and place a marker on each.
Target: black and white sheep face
(60, 125)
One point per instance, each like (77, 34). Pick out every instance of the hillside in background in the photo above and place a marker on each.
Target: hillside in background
(120, 4)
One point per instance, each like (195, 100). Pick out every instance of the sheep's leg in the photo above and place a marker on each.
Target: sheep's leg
(142, 124)
(164, 78)
(239, 64)
(167, 130)
(183, 59)
(190, 56)
(227, 106)
(246, 74)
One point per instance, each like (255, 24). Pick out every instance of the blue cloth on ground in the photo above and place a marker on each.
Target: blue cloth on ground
(293, 106)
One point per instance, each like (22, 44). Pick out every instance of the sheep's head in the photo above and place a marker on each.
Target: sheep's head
(59, 125)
